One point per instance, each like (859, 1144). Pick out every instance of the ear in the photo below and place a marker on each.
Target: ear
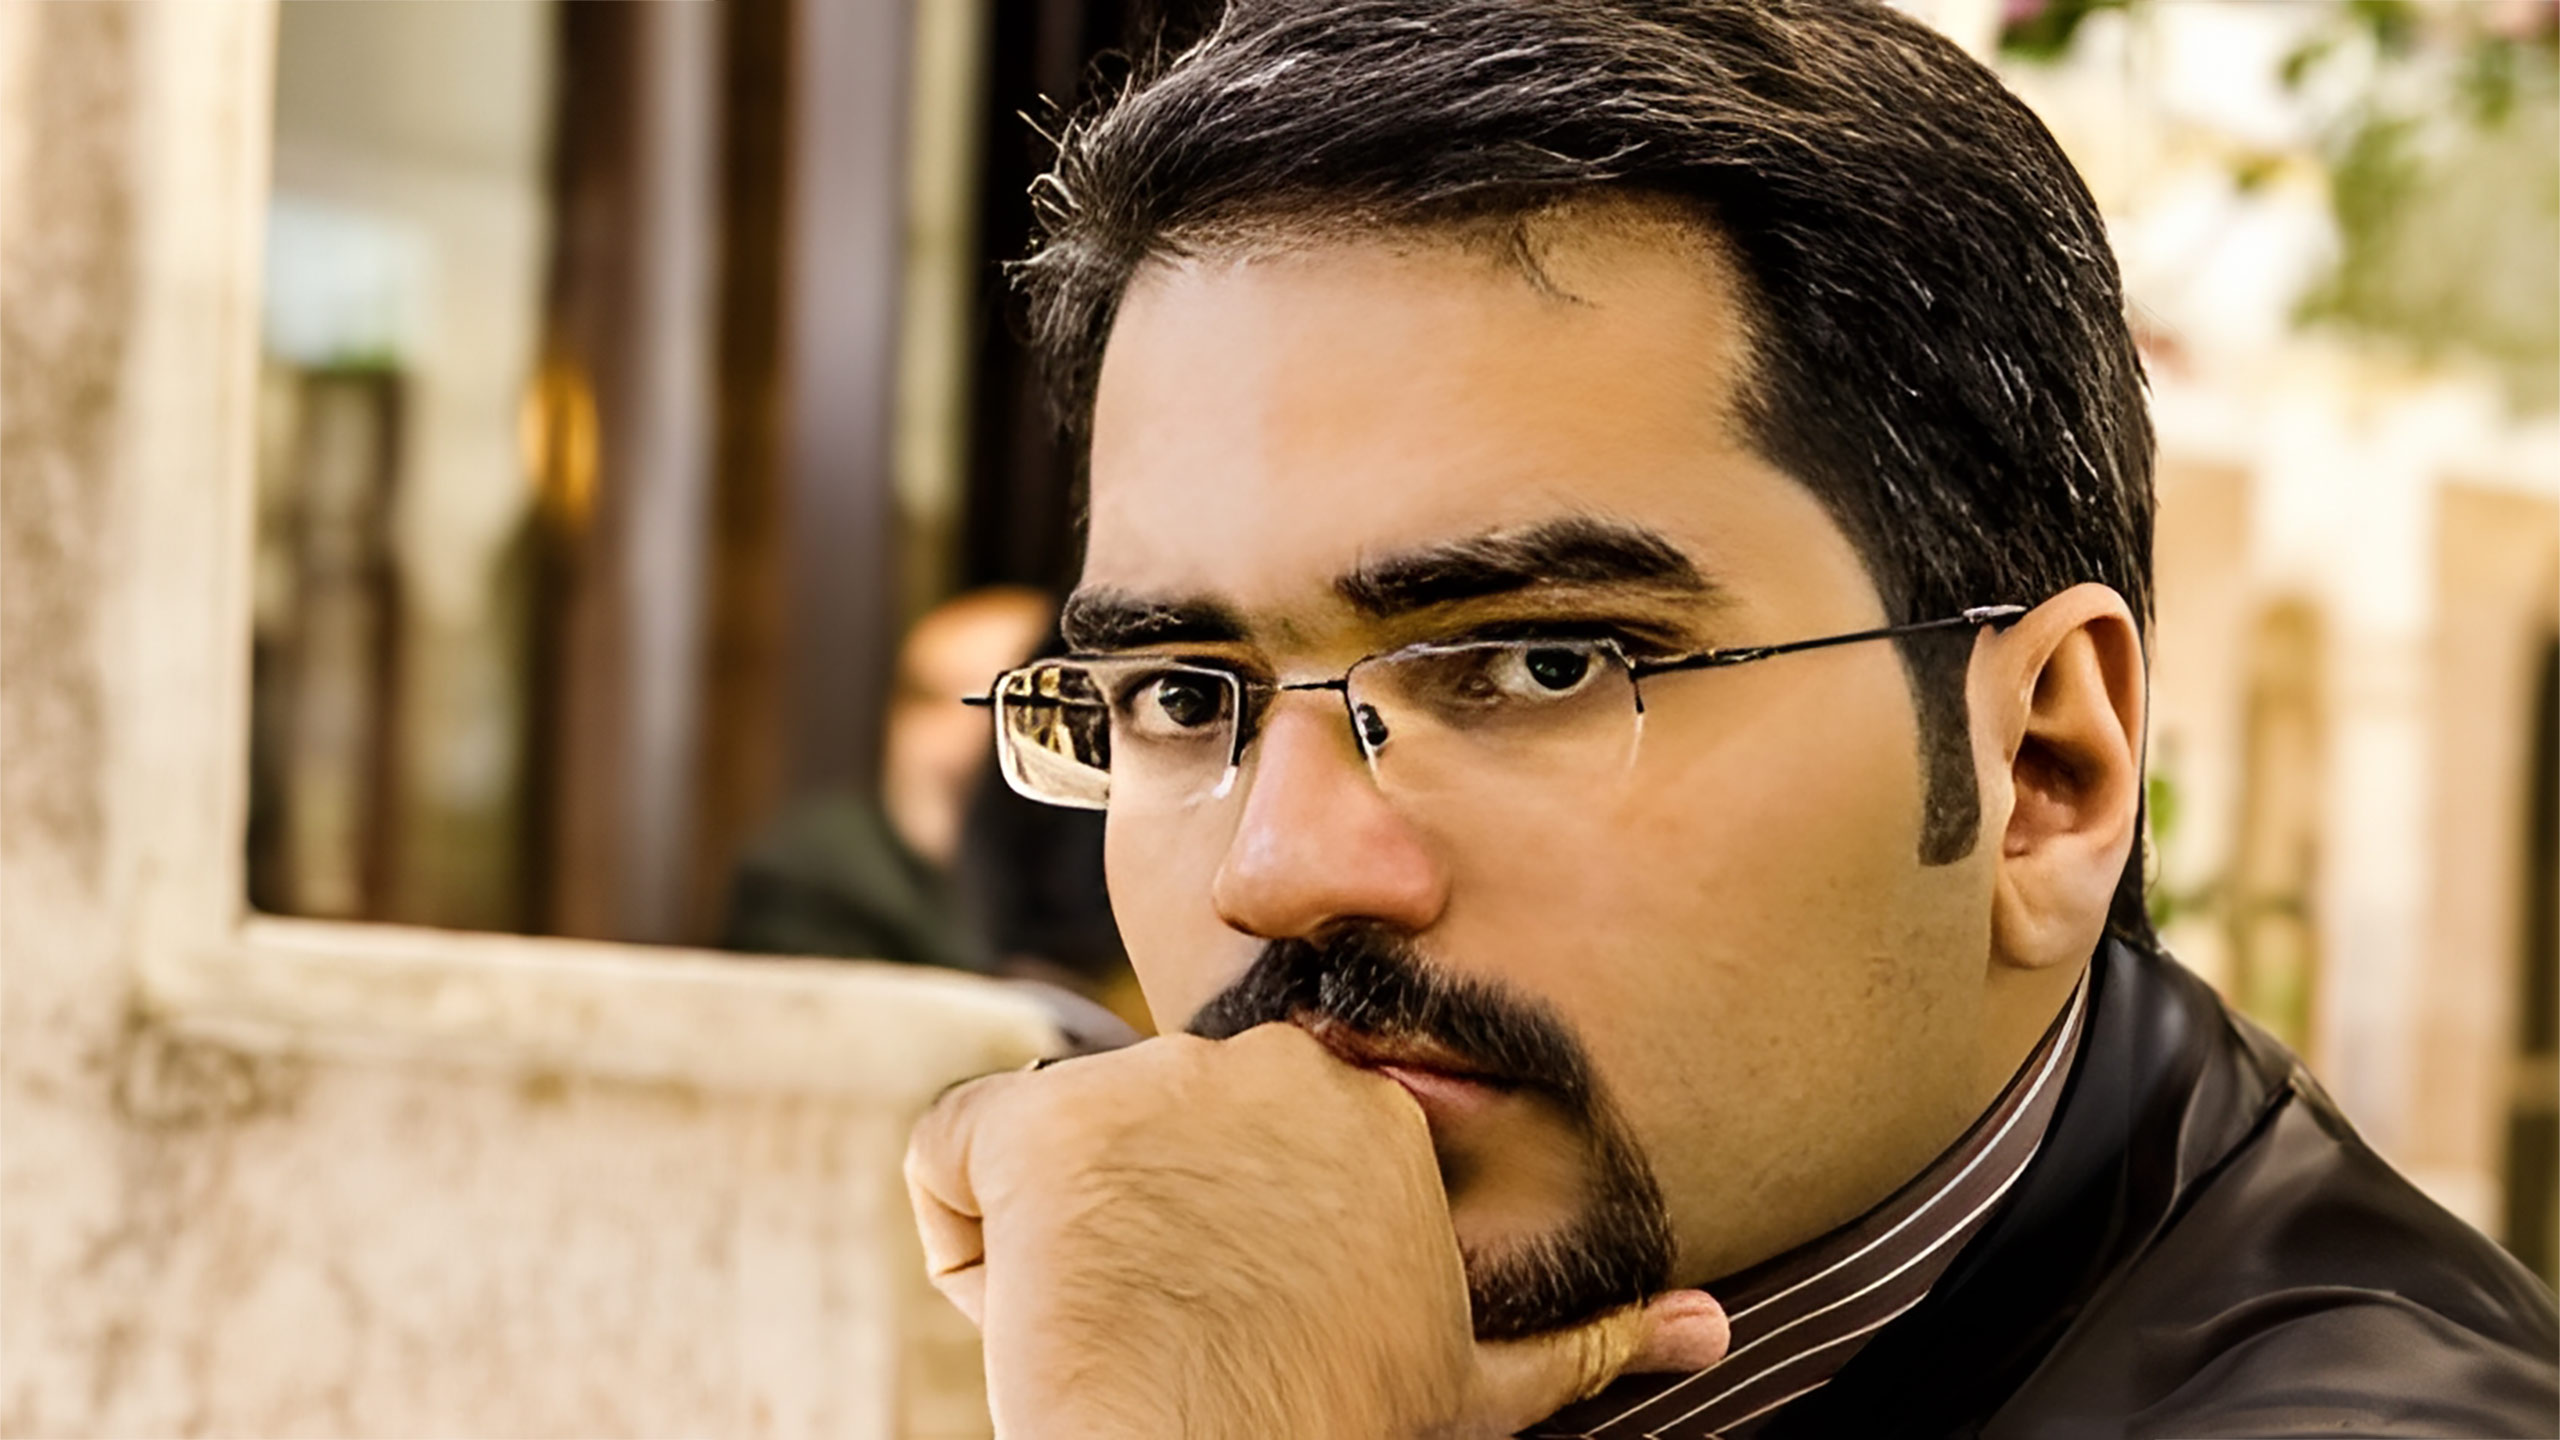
(2059, 700)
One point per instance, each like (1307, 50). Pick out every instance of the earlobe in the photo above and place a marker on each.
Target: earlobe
(2066, 699)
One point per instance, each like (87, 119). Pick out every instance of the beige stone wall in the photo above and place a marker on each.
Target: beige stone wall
(265, 1178)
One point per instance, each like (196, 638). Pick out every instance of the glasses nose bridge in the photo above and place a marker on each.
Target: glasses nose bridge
(1367, 733)
(1310, 848)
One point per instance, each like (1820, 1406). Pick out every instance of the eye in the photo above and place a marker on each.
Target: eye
(1529, 673)
(1532, 672)
(1497, 682)
(1189, 701)
(1556, 669)
(1173, 703)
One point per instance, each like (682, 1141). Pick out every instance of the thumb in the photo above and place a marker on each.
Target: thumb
(1525, 1381)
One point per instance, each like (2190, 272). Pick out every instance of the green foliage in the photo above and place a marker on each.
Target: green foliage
(2392, 23)
(2163, 810)
(2046, 31)
(2443, 170)
(2446, 188)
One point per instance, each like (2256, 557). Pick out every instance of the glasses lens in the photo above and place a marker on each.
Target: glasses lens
(1173, 732)
(1129, 734)
(1053, 735)
(1520, 718)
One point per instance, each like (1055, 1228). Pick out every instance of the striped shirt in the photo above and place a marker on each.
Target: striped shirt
(1797, 1319)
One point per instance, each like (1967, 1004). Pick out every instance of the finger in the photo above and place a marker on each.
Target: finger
(1685, 1330)
(954, 1253)
(1525, 1381)
(967, 1291)
(942, 1193)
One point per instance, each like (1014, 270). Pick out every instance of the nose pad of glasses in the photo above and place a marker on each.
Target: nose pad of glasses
(1373, 728)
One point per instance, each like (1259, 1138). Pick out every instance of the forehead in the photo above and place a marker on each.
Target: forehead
(1266, 423)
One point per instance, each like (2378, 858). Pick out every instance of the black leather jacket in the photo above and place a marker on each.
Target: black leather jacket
(2203, 1247)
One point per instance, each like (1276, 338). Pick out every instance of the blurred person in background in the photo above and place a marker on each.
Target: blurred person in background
(947, 867)
(1612, 644)
(934, 749)
(849, 875)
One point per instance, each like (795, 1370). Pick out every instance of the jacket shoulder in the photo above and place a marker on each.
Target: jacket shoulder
(2310, 1361)
(2301, 1286)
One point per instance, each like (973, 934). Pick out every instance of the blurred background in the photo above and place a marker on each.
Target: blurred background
(638, 377)
(637, 383)
(645, 465)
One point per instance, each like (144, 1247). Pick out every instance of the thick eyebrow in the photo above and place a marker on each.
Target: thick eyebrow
(1101, 618)
(1577, 551)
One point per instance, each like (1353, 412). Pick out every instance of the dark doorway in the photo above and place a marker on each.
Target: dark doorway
(2533, 1126)
(1047, 58)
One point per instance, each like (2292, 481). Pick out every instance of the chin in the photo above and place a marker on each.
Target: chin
(1556, 1226)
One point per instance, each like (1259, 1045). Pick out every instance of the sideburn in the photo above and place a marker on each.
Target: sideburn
(1951, 795)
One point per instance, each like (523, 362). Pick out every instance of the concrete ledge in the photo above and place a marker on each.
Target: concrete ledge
(890, 1034)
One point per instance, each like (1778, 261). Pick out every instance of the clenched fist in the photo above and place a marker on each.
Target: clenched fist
(1243, 1237)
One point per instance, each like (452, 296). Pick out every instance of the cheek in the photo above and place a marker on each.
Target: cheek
(1766, 815)
(1784, 807)
(1739, 915)
(1160, 873)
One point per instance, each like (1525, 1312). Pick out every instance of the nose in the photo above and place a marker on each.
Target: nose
(1317, 843)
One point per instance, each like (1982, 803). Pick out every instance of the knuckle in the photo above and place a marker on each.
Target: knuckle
(947, 1112)
(930, 1157)
(1177, 1049)
(1282, 1044)
(1271, 1033)
(928, 1145)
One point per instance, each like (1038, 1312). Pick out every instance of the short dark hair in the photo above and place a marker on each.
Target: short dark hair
(1940, 349)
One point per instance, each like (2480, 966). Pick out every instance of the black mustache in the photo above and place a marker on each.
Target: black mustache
(1372, 981)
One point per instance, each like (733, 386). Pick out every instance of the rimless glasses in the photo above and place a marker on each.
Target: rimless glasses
(1151, 733)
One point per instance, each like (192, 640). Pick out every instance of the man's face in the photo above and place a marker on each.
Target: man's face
(1779, 1008)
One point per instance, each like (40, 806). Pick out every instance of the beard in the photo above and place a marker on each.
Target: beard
(1616, 1249)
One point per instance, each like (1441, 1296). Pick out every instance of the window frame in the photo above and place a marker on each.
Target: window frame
(208, 965)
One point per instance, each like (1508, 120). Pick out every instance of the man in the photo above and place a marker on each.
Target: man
(1611, 643)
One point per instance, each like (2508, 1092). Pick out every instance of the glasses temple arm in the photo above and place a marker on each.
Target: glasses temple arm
(1979, 615)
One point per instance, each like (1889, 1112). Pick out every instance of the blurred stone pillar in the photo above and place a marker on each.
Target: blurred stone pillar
(844, 250)
(667, 435)
(635, 329)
